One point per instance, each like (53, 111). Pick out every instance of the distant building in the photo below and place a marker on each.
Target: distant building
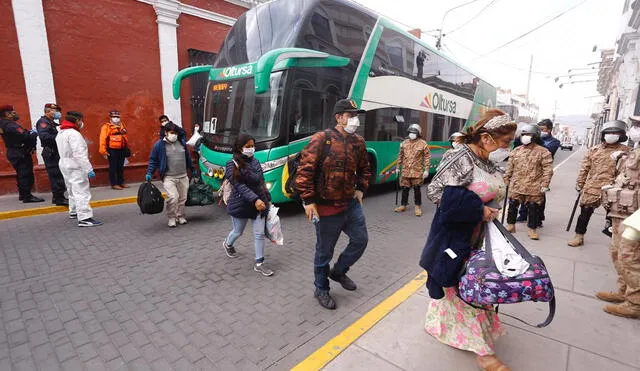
(516, 105)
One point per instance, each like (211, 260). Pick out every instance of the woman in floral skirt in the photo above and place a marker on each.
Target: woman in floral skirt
(463, 187)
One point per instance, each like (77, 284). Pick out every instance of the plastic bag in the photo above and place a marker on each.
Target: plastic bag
(193, 141)
(199, 193)
(272, 227)
(506, 259)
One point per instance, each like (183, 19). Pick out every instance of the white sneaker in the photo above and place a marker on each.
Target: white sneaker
(73, 215)
(172, 223)
(182, 221)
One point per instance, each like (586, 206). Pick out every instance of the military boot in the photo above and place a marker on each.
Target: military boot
(511, 228)
(611, 297)
(533, 234)
(626, 309)
(400, 209)
(418, 211)
(578, 240)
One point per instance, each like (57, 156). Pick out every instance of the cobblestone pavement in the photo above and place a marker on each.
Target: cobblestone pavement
(136, 295)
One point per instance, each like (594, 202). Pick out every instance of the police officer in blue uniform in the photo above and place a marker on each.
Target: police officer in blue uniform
(47, 132)
(20, 145)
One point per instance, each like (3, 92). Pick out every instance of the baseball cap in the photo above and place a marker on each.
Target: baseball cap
(346, 105)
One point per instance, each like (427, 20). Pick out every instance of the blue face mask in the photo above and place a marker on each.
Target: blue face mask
(57, 115)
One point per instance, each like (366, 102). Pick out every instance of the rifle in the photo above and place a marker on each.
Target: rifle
(573, 212)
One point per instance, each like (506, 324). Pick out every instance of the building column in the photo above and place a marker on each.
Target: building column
(36, 60)
(168, 12)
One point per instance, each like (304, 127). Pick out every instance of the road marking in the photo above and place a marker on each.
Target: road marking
(338, 344)
(13, 214)
(565, 160)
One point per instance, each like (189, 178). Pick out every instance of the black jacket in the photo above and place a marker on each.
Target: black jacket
(16, 137)
(246, 190)
(47, 132)
(459, 213)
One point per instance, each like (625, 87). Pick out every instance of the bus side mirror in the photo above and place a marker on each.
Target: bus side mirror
(181, 75)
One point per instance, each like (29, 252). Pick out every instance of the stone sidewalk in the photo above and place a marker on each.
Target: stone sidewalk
(581, 337)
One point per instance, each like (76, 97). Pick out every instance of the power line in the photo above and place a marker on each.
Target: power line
(473, 18)
(535, 28)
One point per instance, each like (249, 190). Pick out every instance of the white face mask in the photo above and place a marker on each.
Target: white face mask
(525, 139)
(413, 136)
(611, 138)
(172, 137)
(456, 145)
(115, 120)
(352, 125)
(80, 124)
(499, 155)
(248, 151)
(544, 134)
(634, 134)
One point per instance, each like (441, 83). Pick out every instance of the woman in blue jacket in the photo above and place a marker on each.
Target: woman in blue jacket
(249, 200)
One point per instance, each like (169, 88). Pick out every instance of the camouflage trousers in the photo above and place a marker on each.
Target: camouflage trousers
(626, 258)
(410, 182)
(525, 199)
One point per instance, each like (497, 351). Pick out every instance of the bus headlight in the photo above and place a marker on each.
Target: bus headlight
(269, 185)
(274, 164)
(210, 172)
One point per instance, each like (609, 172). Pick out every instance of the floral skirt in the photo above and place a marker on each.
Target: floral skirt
(457, 324)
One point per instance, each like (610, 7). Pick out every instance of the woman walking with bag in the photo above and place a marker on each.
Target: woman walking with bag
(249, 200)
(464, 184)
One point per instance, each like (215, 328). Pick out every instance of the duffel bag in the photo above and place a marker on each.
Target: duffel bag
(483, 284)
(199, 194)
(150, 199)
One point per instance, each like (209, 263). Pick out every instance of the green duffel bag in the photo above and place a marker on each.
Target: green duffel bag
(199, 194)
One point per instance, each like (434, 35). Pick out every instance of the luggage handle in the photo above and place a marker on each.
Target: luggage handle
(545, 323)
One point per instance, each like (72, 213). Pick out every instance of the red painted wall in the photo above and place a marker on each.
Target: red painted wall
(108, 59)
(12, 89)
(195, 33)
(218, 6)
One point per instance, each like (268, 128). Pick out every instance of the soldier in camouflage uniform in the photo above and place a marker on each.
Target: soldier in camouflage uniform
(597, 170)
(621, 200)
(413, 167)
(528, 176)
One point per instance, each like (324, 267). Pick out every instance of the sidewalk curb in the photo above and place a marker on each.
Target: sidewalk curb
(13, 214)
(331, 349)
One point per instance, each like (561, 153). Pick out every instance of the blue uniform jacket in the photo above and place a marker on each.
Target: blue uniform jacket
(550, 143)
(47, 132)
(158, 158)
(246, 190)
(459, 213)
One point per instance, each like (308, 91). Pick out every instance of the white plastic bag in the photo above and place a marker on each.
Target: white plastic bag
(272, 228)
(508, 262)
(194, 139)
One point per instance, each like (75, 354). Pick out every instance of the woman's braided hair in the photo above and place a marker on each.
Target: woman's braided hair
(472, 134)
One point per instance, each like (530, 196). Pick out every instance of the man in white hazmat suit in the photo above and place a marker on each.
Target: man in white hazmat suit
(76, 169)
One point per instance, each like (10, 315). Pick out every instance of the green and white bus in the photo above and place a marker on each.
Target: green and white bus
(285, 63)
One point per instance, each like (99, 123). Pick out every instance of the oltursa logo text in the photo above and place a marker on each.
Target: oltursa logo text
(236, 71)
(438, 102)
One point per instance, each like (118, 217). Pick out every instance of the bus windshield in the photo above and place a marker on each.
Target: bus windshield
(233, 107)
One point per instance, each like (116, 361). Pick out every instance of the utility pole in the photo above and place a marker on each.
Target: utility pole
(529, 80)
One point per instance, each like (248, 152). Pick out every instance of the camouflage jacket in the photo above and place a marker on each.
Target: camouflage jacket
(621, 199)
(529, 169)
(414, 158)
(598, 168)
(344, 170)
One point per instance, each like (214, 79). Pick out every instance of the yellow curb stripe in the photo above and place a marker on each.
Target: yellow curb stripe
(13, 214)
(325, 354)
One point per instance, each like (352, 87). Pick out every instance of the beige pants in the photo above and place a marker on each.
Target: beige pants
(176, 187)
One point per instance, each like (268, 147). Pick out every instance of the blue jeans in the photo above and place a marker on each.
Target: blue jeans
(258, 234)
(328, 229)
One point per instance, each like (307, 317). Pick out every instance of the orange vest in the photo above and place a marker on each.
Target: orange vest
(113, 137)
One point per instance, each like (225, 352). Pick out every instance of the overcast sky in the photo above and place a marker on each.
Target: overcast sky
(563, 44)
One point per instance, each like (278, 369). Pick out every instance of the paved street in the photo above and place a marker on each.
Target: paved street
(135, 294)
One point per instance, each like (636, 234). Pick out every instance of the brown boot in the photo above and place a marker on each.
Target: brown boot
(418, 211)
(533, 234)
(511, 228)
(611, 297)
(626, 309)
(400, 209)
(578, 240)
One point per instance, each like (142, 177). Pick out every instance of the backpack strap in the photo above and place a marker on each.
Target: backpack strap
(545, 323)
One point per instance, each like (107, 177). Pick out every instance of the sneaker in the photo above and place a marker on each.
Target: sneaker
(90, 222)
(346, 282)
(172, 222)
(400, 209)
(230, 250)
(263, 269)
(31, 199)
(182, 221)
(325, 300)
(73, 215)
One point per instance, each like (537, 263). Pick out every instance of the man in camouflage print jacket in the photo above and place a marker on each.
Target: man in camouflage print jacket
(413, 164)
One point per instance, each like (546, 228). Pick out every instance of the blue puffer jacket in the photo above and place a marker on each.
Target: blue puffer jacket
(246, 190)
(459, 213)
